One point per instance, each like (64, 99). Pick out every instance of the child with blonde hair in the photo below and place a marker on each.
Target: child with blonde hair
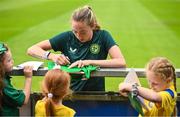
(55, 87)
(10, 98)
(161, 97)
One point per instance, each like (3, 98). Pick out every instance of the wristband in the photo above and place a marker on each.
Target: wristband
(46, 55)
(134, 90)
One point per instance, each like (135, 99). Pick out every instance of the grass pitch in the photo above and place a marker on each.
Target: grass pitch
(142, 28)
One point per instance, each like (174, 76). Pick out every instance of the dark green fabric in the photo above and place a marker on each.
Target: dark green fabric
(95, 49)
(86, 69)
(135, 102)
(12, 99)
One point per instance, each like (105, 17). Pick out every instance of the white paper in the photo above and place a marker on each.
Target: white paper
(132, 77)
(35, 64)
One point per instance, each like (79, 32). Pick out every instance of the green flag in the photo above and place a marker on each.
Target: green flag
(135, 102)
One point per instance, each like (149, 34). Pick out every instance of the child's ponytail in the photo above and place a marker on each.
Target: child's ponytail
(49, 106)
(174, 81)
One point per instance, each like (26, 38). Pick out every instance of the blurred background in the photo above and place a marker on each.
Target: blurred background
(142, 28)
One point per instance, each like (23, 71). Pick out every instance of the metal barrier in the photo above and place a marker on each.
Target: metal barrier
(92, 103)
(108, 72)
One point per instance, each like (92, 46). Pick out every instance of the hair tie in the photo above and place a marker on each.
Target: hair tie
(2, 48)
(50, 95)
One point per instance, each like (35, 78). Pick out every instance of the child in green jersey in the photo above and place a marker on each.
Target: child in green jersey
(10, 98)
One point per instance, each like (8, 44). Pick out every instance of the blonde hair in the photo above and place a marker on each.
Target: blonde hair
(85, 14)
(56, 82)
(162, 66)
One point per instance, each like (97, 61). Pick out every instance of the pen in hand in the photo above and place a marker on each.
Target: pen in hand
(65, 59)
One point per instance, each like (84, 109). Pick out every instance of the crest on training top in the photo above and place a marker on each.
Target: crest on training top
(95, 48)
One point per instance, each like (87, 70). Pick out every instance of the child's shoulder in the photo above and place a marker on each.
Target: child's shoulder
(169, 92)
(64, 109)
(40, 103)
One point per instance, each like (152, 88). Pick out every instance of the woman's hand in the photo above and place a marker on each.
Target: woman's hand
(59, 59)
(80, 63)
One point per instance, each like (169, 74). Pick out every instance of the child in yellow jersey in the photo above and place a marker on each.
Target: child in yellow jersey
(161, 97)
(55, 87)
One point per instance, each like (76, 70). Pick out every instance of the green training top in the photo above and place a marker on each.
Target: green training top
(12, 99)
(95, 49)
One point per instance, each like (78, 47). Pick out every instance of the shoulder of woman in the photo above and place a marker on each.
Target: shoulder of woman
(66, 33)
(101, 32)
(105, 32)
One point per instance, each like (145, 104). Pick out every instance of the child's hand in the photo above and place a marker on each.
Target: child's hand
(28, 71)
(124, 88)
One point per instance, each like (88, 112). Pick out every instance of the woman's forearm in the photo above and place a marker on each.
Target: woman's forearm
(36, 52)
(39, 49)
(108, 63)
